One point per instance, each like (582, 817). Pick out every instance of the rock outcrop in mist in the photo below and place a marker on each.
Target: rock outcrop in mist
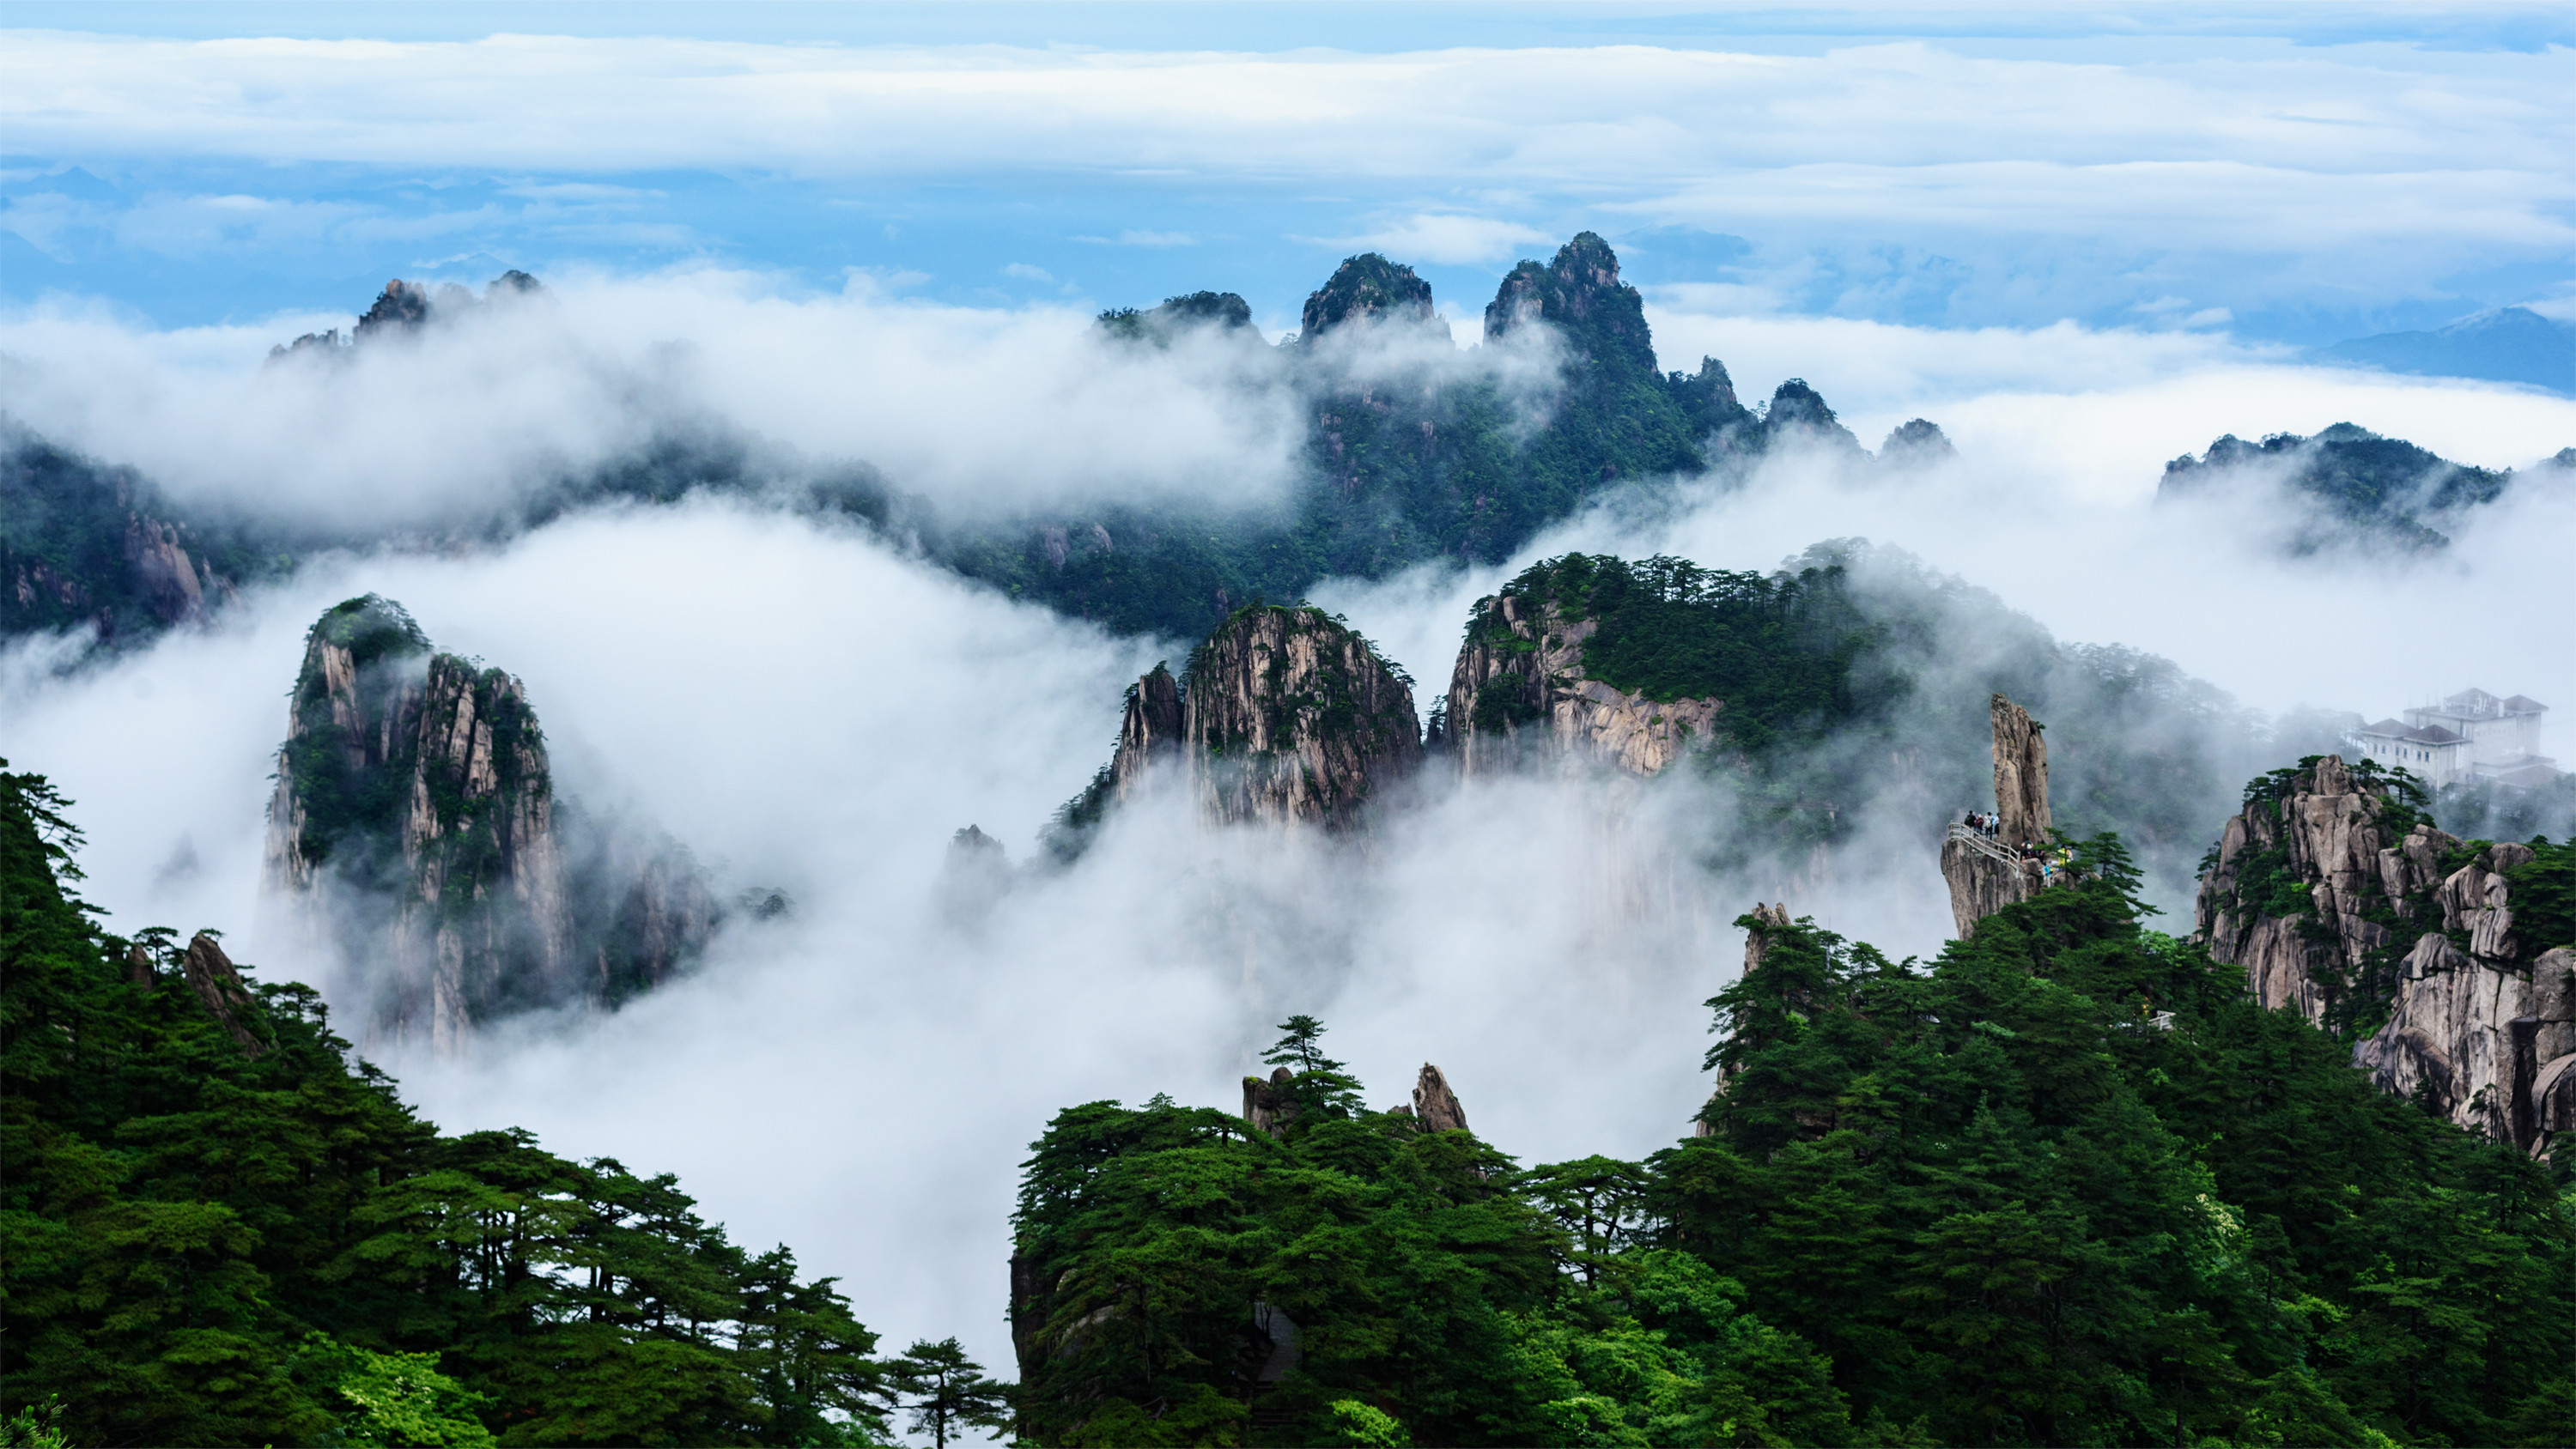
(1989, 869)
(2353, 486)
(88, 546)
(2343, 902)
(415, 832)
(1284, 715)
(1520, 692)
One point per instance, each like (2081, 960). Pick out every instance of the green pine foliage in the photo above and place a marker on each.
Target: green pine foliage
(1999, 1199)
(1779, 649)
(76, 545)
(203, 1247)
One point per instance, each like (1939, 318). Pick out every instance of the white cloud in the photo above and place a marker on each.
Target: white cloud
(1027, 273)
(1444, 237)
(2363, 146)
(809, 709)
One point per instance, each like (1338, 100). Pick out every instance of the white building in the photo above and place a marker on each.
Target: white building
(2471, 735)
(2431, 753)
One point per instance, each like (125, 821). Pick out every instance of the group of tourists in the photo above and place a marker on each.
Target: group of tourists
(1988, 824)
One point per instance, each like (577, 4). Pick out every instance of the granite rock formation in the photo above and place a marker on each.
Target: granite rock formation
(1519, 694)
(1435, 1106)
(1989, 872)
(414, 831)
(219, 989)
(2341, 902)
(1271, 1104)
(1285, 714)
(86, 544)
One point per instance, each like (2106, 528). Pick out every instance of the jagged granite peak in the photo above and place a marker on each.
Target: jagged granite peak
(1153, 728)
(1289, 714)
(219, 989)
(1520, 693)
(403, 308)
(1798, 412)
(1579, 294)
(2340, 900)
(1988, 868)
(1221, 312)
(1917, 443)
(2021, 775)
(976, 874)
(1369, 290)
(1435, 1106)
(414, 830)
(1271, 1105)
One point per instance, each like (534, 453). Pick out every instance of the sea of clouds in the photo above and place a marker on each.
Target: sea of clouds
(811, 706)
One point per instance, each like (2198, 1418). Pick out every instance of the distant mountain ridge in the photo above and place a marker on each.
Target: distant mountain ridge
(2504, 344)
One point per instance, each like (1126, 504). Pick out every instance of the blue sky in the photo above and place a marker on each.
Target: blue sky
(2286, 173)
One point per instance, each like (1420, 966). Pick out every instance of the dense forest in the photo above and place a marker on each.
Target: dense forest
(221, 1228)
(2065, 1184)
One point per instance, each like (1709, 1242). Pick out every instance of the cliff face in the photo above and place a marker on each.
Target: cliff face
(1989, 872)
(2341, 902)
(82, 544)
(1284, 714)
(414, 829)
(1152, 729)
(1519, 693)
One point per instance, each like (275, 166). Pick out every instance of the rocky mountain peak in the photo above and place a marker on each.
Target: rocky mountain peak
(1579, 294)
(1915, 443)
(414, 831)
(1368, 289)
(1996, 860)
(1222, 312)
(1290, 715)
(2340, 900)
(1434, 1105)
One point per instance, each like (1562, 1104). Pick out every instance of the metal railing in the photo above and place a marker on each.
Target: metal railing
(1985, 845)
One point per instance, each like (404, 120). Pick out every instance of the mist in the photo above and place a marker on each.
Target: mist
(809, 706)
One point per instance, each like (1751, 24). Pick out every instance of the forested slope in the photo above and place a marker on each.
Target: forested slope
(2067, 1184)
(222, 1229)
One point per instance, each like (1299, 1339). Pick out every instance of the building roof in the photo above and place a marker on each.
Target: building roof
(2524, 776)
(2476, 701)
(2524, 704)
(2412, 734)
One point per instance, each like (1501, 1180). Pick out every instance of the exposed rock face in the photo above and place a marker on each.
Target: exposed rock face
(2334, 913)
(2021, 776)
(219, 989)
(1153, 729)
(86, 544)
(1270, 1105)
(1287, 715)
(1434, 1105)
(1580, 295)
(413, 828)
(1987, 873)
(1519, 692)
